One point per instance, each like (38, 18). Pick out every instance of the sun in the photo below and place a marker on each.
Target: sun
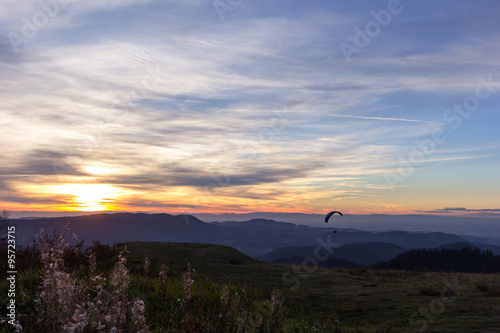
(87, 197)
(95, 197)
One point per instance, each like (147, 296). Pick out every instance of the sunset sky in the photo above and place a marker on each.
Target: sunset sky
(250, 105)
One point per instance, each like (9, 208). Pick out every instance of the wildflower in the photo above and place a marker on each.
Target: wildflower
(58, 290)
(163, 274)
(276, 300)
(138, 317)
(119, 276)
(67, 306)
(335, 319)
(79, 319)
(147, 263)
(224, 297)
(18, 326)
(92, 262)
(97, 278)
(188, 282)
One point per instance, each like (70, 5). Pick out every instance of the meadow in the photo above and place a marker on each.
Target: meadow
(180, 287)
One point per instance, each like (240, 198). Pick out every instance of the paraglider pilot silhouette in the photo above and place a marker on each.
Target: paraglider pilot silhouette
(327, 216)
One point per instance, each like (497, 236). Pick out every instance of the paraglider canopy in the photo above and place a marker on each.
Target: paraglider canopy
(327, 216)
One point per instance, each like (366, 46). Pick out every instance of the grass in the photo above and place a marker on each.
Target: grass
(363, 298)
(325, 300)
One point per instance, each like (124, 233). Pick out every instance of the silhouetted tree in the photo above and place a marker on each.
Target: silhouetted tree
(466, 259)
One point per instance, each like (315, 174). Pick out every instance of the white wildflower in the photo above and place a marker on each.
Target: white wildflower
(147, 264)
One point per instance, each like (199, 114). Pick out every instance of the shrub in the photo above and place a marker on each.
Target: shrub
(68, 304)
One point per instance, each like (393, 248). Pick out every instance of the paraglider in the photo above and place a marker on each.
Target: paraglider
(327, 216)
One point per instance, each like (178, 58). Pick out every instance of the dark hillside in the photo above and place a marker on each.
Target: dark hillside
(363, 254)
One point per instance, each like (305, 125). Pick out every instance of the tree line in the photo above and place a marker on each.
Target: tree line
(466, 259)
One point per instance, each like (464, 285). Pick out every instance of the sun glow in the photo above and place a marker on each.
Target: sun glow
(90, 197)
(96, 197)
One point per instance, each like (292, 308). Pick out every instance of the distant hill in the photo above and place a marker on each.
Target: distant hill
(288, 252)
(484, 227)
(456, 246)
(125, 227)
(251, 237)
(264, 223)
(254, 237)
(361, 254)
(209, 259)
(367, 254)
(493, 248)
(407, 240)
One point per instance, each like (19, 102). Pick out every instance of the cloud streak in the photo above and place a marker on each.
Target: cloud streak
(161, 99)
(462, 211)
(378, 118)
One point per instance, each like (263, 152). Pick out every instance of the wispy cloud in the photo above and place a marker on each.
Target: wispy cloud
(162, 96)
(487, 212)
(463, 209)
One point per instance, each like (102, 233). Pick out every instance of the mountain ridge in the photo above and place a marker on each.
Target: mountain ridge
(254, 237)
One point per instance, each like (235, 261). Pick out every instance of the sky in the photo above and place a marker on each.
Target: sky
(368, 107)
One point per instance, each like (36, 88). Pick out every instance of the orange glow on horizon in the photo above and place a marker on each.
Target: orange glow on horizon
(85, 197)
(95, 204)
(80, 197)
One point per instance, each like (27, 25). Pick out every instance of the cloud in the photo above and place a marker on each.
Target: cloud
(4, 186)
(161, 94)
(176, 175)
(378, 118)
(463, 209)
(45, 162)
(27, 199)
(157, 204)
(483, 213)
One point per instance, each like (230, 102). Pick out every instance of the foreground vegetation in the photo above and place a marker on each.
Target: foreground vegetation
(150, 287)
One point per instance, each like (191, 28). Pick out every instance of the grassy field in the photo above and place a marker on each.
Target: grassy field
(323, 300)
(382, 300)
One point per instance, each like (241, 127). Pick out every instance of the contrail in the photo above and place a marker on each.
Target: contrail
(379, 118)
